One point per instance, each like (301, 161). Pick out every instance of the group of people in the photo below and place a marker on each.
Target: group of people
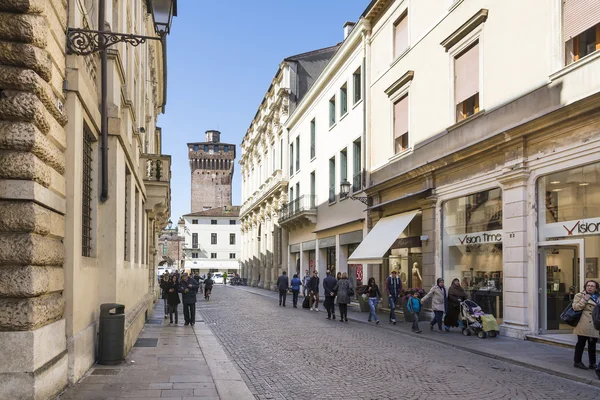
(172, 285)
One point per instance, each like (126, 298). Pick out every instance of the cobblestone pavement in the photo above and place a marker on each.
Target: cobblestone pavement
(288, 353)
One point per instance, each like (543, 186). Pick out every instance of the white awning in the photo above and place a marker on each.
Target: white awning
(380, 239)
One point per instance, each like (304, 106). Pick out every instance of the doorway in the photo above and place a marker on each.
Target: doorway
(560, 278)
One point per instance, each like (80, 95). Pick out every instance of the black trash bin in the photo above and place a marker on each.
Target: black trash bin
(111, 342)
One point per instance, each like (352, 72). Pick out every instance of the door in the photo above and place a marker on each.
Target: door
(560, 275)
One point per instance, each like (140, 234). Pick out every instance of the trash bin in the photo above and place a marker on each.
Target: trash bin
(111, 343)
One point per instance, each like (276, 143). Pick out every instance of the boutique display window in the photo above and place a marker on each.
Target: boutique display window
(472, 247)
(569, 236)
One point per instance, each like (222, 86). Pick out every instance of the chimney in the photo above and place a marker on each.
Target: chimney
(348, 26)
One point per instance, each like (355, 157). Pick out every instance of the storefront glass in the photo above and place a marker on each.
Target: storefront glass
(472, 247)
(331, 260)
(568, 215)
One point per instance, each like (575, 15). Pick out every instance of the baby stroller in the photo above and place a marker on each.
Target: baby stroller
(476, 321)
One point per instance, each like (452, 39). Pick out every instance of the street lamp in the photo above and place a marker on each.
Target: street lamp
(345, 191)
(85, 41)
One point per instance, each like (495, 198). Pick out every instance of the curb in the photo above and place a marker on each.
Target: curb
(575, 378)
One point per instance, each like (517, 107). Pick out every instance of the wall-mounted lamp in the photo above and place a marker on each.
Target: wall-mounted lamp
(345, 191)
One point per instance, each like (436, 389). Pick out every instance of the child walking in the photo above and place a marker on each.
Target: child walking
(414, 306)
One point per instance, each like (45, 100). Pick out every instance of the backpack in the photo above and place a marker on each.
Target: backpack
(596, 316)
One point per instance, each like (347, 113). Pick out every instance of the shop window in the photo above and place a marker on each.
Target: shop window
(466, 82)
(331, 260)
(581, 28)
(472, 247)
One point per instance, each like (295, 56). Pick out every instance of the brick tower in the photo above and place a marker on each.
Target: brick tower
(211, 164)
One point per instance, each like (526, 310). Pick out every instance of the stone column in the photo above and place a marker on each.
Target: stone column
(255, 255)
(32, 199)
(430, 259)
(268, 252)
(514, 252)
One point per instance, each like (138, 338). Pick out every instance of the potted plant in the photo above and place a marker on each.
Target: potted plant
(360, 289)
(406, 294)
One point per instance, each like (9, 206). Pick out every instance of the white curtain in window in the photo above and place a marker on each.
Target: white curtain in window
(579, 15)
(466, 73)
(401, 36)
(401, 117)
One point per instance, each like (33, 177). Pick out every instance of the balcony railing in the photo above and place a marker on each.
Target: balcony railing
(356, 182)
(155, 167)
(297, 206)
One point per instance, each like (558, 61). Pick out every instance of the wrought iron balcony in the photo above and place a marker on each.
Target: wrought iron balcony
(300, 211)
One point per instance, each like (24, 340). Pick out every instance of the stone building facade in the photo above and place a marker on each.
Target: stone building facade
(59, 262)
(483, 157)
(264, 168)
(171, 244)
(211, 166)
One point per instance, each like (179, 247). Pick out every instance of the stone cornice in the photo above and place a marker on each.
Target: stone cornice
(403, 80)
(479, 18)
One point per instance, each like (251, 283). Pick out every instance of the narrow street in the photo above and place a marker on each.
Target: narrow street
(287, 353)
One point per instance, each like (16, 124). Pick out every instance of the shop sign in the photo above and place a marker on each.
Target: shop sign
(476, 238)
(580, 227)
(407, 242)
(359, 271)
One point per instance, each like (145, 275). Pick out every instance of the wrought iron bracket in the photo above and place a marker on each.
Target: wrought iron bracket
(367, 201)
(85, 41)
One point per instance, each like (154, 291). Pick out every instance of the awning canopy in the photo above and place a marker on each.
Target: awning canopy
(380, 239)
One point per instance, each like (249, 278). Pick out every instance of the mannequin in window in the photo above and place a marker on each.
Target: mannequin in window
(416, 275)
(403, 277)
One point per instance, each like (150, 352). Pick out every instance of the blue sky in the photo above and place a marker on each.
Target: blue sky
(221, 59)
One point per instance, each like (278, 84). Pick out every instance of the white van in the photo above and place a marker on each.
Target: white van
(218, 277)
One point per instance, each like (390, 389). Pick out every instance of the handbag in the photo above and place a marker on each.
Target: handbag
(365, 296)
(570, 316)
(350, 292)
(596, 316)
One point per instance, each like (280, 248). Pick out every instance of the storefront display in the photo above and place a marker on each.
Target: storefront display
(569, 233)
(472, 247)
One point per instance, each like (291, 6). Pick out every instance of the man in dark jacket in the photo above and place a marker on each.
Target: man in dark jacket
(328, 285)
(393, 287)
(188, 287)
(283, 285)
(313, 288)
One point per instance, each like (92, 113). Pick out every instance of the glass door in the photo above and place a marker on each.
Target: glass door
(559, 281)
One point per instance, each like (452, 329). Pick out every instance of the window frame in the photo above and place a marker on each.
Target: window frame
(343, 100)
(213, 256)
(357, 145)
(332, 174)
(87, 191)
(194, 222)
(213, 222)
(357, 73)
(474, 36)
(194, 240)
(313, 139)
(332, 109)
(395, 98)
(213, 238)
(232, 239)
(403, 14)
(232, 220)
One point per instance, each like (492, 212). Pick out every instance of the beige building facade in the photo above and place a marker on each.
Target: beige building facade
(483, 156)
(64, 250)
(264, 162)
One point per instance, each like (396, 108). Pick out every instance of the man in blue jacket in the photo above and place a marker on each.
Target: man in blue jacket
(328, 284)
(393, 286)
(188, 288)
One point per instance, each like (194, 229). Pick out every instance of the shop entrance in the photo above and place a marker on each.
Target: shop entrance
(560, 278)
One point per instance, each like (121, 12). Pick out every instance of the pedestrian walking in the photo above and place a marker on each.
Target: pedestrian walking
(283, 285)
(173, 299)
(456, 294)
(164, 294)
(188, 287)
(296, 283)
(338, 276)
(345, 290)
(414, 307)
(225, 278)
(313, 291)
(374, 295)
(585, 331)
(393, 287)
(329, 289)
(305, 282)
(439, 303)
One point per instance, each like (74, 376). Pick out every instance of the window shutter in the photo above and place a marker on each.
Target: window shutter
(401, 117)
(401, 36)
(466, 73)
(579, 15)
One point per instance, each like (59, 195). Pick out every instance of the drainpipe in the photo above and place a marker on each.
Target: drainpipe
(103, 105)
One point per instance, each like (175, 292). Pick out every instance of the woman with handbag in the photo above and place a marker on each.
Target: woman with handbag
(345, 291)
(585, 331)
(439, 303)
